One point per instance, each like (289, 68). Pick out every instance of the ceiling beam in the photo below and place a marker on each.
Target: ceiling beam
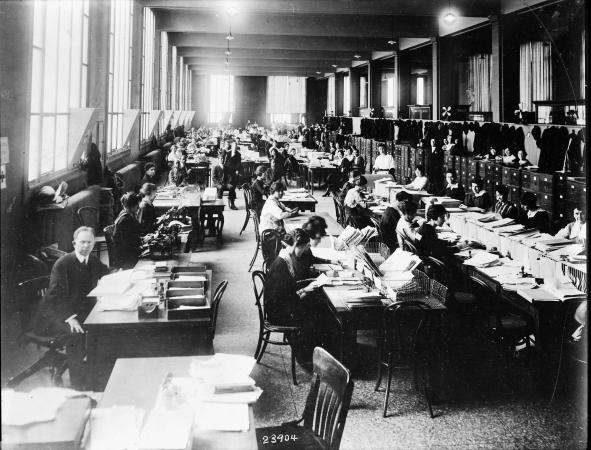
(256, 53)
(280, 42)
(254, 72)
(325, 63)
(354, 7)
(334, 25)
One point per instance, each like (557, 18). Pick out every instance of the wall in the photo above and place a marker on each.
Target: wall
(250, 96)
(200, 99)
(315, 100)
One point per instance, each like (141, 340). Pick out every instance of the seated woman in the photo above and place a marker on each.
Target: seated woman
(316, 229)
(177, 174)
(492, 155)
(535, 217)
(337, 177)
(508, 157)
(258, 189)
(149, 174)
(355, 204)
(390, 219)
(274, 211)
(503, 207)
(453, 189)
(522, 161)
(429, 244)
(126, 233)
(147, 214)
(576, 230)
(283, 300)
(478, 198)
(420, 182)
(358, 161)
(406, 228)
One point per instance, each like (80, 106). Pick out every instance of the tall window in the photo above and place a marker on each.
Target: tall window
(420, 91)
(221, 98)
(58, 83)
(163, 70)
(479, 82)
(330, 97)
(147, 70)
(286, 95)
(119, 70)
(391, 91)
(535, 73)
(174, 81)
(363, 85)
(347, 95)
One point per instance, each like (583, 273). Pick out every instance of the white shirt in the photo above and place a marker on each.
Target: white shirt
(83, 259)
(354, 198)
(418, 184)
(384, 162)
(272, 215)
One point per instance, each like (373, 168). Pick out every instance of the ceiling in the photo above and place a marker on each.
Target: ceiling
(300, 37)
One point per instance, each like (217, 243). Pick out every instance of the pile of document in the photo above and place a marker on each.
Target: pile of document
(483, 259)
(353, 236)
(549, 245)
(123, 290)
(563, 289)
(448, 202)
(398, 269)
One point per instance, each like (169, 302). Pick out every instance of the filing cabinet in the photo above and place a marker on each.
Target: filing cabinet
(525, 179)
(458, 163)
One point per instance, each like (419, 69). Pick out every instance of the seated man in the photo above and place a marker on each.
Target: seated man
(65, 305)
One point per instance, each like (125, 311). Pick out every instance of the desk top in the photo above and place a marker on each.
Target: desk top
(147, 375)
(98, 318)
(333, 229)
(65, 431)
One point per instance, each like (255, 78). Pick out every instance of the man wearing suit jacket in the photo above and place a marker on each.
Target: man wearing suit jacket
(65, 305)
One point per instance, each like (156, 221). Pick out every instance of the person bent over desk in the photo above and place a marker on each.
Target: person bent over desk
(65, 305)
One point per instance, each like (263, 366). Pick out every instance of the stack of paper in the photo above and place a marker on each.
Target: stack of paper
(510, 229)
(552, 244)
(115, 428)
(448, 202)
(482, 259)
(569, 251)
(39, 405)
(209, 194)
(500, 223)
(113, 284)
(353, 236)
(400, 260)
(330, 254)
(486, 218)
(563, 290)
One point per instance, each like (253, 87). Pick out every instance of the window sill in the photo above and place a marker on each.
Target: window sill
(118, 155)
(56, 178)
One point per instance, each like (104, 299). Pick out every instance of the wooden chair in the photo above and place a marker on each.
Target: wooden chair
(31, 293)
(463, 301)
(266, 327)
(89, 216)
(257, 235)
(270, 247)
(337, 209)
(407, 329)
(325, 413)
(247, 205)
(215, 305)
(407, 245)
(108, 233)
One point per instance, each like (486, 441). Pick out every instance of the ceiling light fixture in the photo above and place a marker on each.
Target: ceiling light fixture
(334, 65)
(450, 17)
(232, 11)
(318, 72)
(229, 37)
(356, 56)
(392, 42)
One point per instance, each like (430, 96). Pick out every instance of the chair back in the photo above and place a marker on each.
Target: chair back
(329, 398)
(247, 196)
(406, 245)
(258, 286)
(108, 232)
(438, 269)
(337, 210)
(256, 221)
(30, 294)
(407, 326)
(88, 216)
(215, 304)
(270, 245)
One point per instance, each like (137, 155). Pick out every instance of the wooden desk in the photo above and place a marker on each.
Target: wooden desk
(147, 375)
(361, 317)
(317, 172)
(333, 227)
(121, 334)
(65, 432)
(307, 203)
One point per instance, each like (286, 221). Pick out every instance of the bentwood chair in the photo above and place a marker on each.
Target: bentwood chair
(215, 305)
(31, 293)
(270, 247)
(407, 329)
(325, 413)
(257, 235)
(247, 205)
(464, 302)
(266, 328)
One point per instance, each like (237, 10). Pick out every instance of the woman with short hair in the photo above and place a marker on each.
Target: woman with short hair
(274, 211)
(127, 232)
(147, 213)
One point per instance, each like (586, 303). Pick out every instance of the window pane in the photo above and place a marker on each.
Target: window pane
(420, 91)
(61, 142)
(51, 46)
(63, 67)
(84, 87)
(47, 144)
(37, 81)
(39, 21)
(34, 147)
(85, 40)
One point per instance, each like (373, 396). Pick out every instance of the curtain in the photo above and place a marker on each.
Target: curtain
(286, 95)
(479, 82)
(535, 73)
(331, 106)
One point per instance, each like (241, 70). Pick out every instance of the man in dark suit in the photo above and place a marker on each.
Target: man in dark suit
(232, 166)
(65, 305)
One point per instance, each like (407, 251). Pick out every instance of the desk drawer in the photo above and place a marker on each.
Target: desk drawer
(498, 171)
(458, 163)
(575, 190)
(525, 179)
(546, 201)
(514, 194)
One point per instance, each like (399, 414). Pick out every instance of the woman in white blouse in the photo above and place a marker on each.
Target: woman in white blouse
(420, 182)
(383, 162)
(274, 211)
(576, 230)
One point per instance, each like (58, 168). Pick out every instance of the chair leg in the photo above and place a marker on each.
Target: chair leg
(293, 368)
(245, 221)
(260, 341)
(256, 252)
(266, 336)
(388, 384)
(47, 360)
(379, 380)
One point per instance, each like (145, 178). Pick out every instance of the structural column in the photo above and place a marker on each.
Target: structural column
(435, 77)
(339, 89)
(496, 70)
(373, 78)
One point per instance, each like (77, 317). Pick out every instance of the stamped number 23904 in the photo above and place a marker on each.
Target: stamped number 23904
(274, 438)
